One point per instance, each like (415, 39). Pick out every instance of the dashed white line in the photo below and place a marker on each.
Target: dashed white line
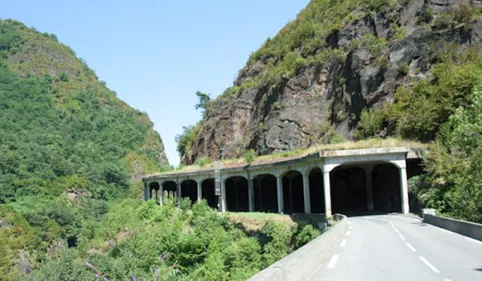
(348, 233)
(401, 237)
(333, 261)
(447, 279)
(473, 240)
(343, 243)
(410, 247)
(433, 268)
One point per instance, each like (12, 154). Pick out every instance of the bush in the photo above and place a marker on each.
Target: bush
(250, 156)
(403, 69)
(370, 124)
(307, 233)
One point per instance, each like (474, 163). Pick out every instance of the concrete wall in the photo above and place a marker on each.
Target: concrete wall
(299, 265)
(470, 229)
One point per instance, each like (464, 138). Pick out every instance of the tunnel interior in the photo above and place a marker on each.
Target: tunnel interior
(293, 193)
(208, 193)
(386, 188)
(189, 190)
(317, 197)
(348, 190)
(265, 194)
(154, 191)
(237, 198)
(169, 189)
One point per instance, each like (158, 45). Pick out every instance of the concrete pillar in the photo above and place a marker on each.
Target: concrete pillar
(369, 186)
(290, 190)
(306, 193)
(147, 192)
(279, 187)
(404, 190)
(251, 194)
(199, 191)
(327, 192)
(161, 194)
(178, 192)
(223, 196)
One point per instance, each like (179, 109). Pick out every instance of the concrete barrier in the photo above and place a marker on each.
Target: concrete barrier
(470, 229)
(300, 264)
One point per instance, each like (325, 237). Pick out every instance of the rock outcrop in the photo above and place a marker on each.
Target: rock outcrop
(369, 57)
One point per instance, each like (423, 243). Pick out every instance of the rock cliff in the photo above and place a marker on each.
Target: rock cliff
(313, 80)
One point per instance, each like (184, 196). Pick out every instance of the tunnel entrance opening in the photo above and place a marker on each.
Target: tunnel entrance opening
(237, 197)
(189, 190)
(154, 189)
(386, 188)
(348, 190)
(207, 192)
(317, 196)
(265, 194)
(293, 199)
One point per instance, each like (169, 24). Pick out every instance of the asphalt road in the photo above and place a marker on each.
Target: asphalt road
(397, 247)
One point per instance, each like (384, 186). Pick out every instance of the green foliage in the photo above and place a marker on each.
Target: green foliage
(307, 233)
(202, 161)
(371, 123)
(419, 111)
(250, 156)
(454, 164)
(196, 243)
(403, 69)
(426, 16)
(186, 139)
(204, 100)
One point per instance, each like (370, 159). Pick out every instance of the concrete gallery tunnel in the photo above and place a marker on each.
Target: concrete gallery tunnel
(237, 197)
(293, 199)
(207, 193)
(189, 190)
(386, 188)
(265, 194)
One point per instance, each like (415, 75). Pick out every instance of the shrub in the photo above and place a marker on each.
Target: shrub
(307, 233)
(370, 124)
(403, 69)
(250, 156)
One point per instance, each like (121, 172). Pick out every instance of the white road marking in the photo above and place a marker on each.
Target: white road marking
(333, 261)
(343, 243)
(447, 279)
(473, 240)
(348, 233)
(410, 247)
(351, 227)
(433, 268)
(396, 230)
(401, 237)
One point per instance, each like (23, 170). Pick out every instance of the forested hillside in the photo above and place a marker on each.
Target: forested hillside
(68, 148)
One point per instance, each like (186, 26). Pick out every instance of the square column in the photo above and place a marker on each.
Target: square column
(306, 193)
(199, 190)
(404, 190)
(279, 187)
(161, 194)
(146, 192)
(250, 195)
(223, 196)
(178, 193)
(327, 192)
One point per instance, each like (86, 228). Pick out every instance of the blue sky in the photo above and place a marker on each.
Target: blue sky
(157, 54)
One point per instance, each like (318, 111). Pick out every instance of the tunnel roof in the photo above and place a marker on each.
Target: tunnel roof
(412, 150)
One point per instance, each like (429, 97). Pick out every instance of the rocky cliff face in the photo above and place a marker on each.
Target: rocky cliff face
(358, 63)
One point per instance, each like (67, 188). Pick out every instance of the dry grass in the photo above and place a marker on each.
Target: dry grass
(289, 155)
(253, 222)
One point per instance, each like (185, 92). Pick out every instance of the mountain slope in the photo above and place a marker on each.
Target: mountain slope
(313, 81)
(58, 120)
(69, 148)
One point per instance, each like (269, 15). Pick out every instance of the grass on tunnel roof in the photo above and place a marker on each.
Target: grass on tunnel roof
(298, 153)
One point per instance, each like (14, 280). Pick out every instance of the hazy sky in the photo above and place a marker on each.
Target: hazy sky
(157, 54)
